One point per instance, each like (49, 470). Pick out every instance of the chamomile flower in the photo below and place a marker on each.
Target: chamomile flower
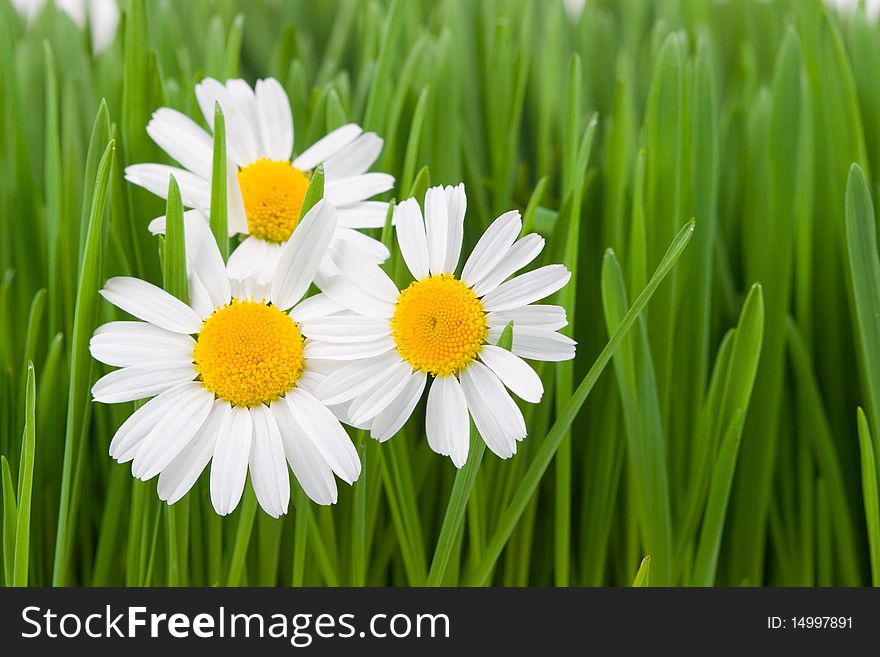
(231, 377)
(102, 17)
(265, 188)
(441, 330)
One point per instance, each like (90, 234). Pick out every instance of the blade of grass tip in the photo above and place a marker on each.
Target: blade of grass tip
(33, 334)
(100, 137)
(233, 48)
(642, 576)
(420, 185)
(315, 192)
(870, 495)
(864, 267)
(84, 320)
(412, 142)
(773, 267)
(646, 442)
(247, 513)
(219, 181)
(10, 519)
(461, 492)
(25, 484)
(811, 411)
(533, 204)
(174, 281)
(544, 455)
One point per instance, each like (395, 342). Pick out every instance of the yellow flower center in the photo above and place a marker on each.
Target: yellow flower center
(273, 193)
(249, 353)
(438, 325)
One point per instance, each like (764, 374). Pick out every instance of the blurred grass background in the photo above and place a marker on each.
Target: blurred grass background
(723, 444)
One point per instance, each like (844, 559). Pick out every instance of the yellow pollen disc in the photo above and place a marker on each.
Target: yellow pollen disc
(438, 325)
(273, 192)
(249, 353)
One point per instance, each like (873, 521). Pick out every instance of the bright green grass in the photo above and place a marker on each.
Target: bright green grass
(721, 446)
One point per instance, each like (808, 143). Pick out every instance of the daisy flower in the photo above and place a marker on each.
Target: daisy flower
(265, 188)
(231, 378)
(102, 17)
(442, 329)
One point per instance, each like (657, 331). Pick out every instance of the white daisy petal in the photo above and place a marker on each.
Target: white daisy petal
(366, 214)
(236, 217)
(349, 381)
(199, 299)
(249, 259)
(245, 128)
(373, 401)
(347, 294)
(176, 480)
(173, 432)
(345, 328)
(496, 416)
(520, 254)
(411, 237)
(241, 143)
(205, 264)
(363, 247)
(547, 317)
(309, 467)
(141, 381)
(538, 343)
(204, 257)
(326, 434)
(492, 245)
(310, 381)
(456, 201)
(195, 191)
(446, 420)
(315, 307)
(183, 139)
(355, 158)
(389, 421)
(275, 119)
(301, 255)
(151, 304)
(348, 350)
(514, 372)
(268, 466)
(526, 288)
(138, 425)
(103, 21)
(366, 275)
(121, 344)
(343, 191)
(322, 149)
(436, 229)
(229, 464)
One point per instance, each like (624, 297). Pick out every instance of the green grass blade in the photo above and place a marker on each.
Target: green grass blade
(642, 575)
(646, 445)
(864, 268)
(25, 484)
(315, 192)
(546, 451)
(219, 174)
(870, 495)
(10, 520)
(462, 489)
(85, 318)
